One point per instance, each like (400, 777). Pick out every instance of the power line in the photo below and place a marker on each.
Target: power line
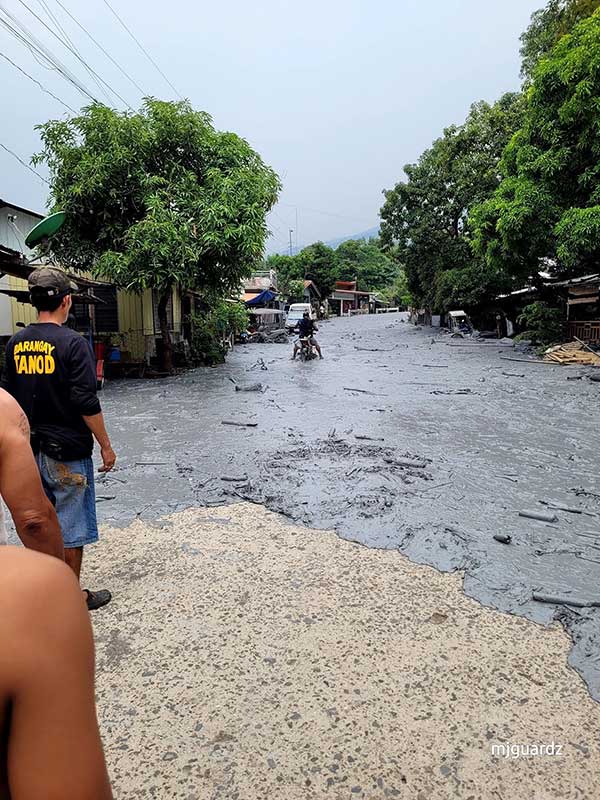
(39, 50)
(75, 53)
(24, 163)
(97, 43)
(43, 88)
(142, 48)
(68, 42)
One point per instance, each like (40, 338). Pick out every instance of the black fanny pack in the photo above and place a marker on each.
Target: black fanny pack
(50, 448)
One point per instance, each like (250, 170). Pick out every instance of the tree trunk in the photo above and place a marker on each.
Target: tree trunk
(167, 344)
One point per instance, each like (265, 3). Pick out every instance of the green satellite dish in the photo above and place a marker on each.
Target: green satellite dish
(46, 228)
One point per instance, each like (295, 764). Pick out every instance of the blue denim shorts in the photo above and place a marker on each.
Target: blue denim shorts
(69, 486)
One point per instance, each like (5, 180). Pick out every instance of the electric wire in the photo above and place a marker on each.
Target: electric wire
(97, 43)
(24, 163)
(75, 53)
(34, 80)
(142, 48)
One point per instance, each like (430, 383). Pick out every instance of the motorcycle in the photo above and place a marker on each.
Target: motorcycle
(307, 350)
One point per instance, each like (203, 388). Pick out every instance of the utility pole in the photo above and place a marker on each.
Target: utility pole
(291, 245)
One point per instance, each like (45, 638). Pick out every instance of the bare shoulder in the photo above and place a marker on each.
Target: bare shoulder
(33, 586)
(12, 415)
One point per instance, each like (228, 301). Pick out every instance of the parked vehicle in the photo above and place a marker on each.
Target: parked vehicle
(459, 324)
(295, 314)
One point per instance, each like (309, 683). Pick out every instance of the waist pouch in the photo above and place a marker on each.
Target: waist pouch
(53, 449)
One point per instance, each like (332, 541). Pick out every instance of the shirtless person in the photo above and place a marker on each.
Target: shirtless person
(49, 742)
(50, 746)
(21, 486)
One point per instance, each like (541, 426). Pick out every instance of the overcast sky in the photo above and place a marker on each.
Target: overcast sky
(337, 95)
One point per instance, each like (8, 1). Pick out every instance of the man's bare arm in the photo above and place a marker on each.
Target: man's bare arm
(96, 425)
(21, 486)
(47, 676)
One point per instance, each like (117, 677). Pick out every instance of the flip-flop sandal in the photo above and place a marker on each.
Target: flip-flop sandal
(97, 599)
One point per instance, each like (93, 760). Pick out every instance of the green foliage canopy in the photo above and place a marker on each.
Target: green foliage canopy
(546, 212)
(547, 26)
(157, 197)
(427, 217)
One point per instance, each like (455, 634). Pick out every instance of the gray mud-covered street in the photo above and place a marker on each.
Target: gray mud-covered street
(399, 439)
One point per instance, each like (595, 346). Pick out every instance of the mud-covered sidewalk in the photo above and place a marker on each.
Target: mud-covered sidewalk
(245, 657)
(399, 439)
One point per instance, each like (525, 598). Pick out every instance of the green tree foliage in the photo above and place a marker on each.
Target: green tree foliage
(318, 263)
(547, 209)
(397, 293)
(547, 26)
(211, 331)
(156, 199)
(543, 324)
(365, 262)
(360, 260)
(427, 217)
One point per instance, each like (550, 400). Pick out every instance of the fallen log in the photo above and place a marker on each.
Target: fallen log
(564, 601)
(539, 515)
(405, 462)
(526, 360)
(362, 391)
(239, 424)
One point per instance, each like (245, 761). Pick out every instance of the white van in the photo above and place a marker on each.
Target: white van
(295, 314)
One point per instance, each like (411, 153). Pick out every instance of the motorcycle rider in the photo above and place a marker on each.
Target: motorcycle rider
(307, 328)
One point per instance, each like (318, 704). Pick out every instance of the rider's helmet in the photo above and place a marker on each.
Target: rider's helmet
(306, 315)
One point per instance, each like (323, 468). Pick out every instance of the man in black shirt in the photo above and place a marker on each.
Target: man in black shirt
(306, 329)
(50, 372)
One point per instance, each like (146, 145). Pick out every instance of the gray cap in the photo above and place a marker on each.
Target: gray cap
(50, 282)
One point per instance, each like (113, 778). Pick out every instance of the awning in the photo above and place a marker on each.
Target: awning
(260, 299)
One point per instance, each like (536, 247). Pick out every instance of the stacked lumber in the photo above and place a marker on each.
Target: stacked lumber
(573, 353)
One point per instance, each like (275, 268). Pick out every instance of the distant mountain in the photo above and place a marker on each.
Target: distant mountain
(370, 234)
(333, 243)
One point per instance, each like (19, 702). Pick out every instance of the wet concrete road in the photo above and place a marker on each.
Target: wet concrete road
(440, 449)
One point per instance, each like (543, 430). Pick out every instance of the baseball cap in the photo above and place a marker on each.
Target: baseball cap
(50, 282)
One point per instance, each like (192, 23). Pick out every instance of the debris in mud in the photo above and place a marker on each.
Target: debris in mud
(250, 387)
(525, 360)
(234, 479)
(539, 515)
(560, 507)
(406, 462)
(239, 424)
(452, 391)
(260, 363)
(374, 349)
(362, 391)
(363, 438)
(572, 353)
(150, 463)
(514, 374)
(503, 538)
(567, 601)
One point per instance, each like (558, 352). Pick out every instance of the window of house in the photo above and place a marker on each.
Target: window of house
(107, 312)
(155, 311)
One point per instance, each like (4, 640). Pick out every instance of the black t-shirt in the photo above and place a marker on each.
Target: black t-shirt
(50, 372)
(306, 327)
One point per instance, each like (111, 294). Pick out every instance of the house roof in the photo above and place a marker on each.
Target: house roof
(6, 204)
(309, 284)
(594, 278)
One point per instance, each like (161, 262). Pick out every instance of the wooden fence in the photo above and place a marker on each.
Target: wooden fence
(587, 331)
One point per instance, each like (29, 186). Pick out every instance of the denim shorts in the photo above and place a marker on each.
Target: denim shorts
(69, 486)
